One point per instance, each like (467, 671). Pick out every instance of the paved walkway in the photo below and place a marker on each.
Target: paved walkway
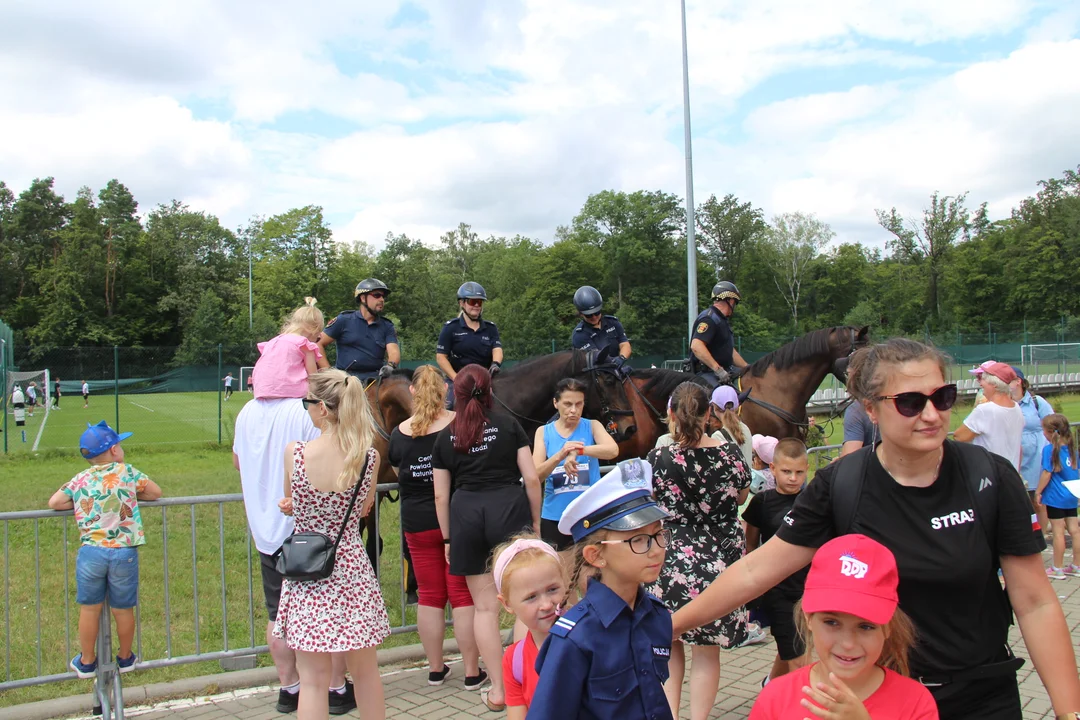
(409, 696)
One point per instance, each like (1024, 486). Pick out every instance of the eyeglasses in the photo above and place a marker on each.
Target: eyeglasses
(642, 544)
(308, 402)
(377, 295)
(590, 315)
(910, 404)
(474, 302)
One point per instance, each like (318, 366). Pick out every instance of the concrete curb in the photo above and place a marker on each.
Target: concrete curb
(192, 687)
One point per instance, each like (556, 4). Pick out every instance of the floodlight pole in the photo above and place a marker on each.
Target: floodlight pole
(691, 241)
(251, 305)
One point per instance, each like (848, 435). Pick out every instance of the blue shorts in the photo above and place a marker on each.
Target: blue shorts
(100, 569)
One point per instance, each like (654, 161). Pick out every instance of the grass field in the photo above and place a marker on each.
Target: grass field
(158, 419)
(178, 450)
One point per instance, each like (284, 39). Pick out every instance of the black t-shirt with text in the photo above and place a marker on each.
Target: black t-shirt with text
(948, 574)
(412, 457)
(766, 512)
(491, 463)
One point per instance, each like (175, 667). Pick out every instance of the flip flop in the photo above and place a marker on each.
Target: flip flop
(490, 705)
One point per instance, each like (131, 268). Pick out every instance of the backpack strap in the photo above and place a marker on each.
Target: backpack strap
(847, 488)
(517, 665)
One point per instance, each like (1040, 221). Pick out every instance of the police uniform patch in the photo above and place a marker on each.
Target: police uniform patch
(702, 327)
(633, 474)
(332, 321)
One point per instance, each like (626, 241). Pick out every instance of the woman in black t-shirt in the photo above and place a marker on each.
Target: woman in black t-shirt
(410, 450)
(486, 456)
(911, 494)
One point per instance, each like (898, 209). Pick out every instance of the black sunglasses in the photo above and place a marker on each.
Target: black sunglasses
(308, 402)
(591, 315)
(377, 295)
(910, 404)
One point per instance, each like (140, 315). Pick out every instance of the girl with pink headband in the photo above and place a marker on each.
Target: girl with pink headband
(531, 582)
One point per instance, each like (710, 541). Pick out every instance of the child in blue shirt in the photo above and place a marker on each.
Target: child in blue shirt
(607, 657)
(1058, 466)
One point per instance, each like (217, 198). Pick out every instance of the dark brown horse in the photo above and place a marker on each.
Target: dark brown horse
(779, 386)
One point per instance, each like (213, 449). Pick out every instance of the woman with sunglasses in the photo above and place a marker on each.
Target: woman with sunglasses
(700, 481)
(367, 343)
(468, 339)
(913, 497)
(596, 330)
(998, 423)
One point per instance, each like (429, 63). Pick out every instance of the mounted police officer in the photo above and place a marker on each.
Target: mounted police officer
(597, 331)
(468, 339)
(367, 343)
(713, 343)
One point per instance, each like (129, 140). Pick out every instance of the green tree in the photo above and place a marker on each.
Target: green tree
(793, 240)
(725, 230)
(943, 224)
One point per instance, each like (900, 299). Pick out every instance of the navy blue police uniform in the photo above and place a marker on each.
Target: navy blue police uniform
(713, 329)
(609, 334)
(604, 659)
(361, 346)
(465, 346)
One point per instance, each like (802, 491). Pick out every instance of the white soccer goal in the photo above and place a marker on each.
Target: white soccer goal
(22, 379)
(245, 373)
(1049, 353)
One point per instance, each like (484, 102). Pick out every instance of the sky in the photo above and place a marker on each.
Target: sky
(411, 117)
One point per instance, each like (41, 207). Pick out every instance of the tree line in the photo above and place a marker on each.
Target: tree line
(94, 272)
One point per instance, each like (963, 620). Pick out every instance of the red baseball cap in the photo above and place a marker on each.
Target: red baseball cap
(853, 574)
(1002, 372)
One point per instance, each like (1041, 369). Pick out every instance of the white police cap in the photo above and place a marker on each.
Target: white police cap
(621, 500)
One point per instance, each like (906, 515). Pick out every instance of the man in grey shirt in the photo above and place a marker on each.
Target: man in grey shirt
(859, 429)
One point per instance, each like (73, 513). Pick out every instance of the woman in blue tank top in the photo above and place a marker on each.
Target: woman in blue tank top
(568, 452)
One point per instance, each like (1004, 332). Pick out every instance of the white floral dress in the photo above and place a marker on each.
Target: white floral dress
(700, 488)
(345, 611)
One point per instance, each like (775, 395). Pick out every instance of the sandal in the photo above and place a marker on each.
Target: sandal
(490, 705)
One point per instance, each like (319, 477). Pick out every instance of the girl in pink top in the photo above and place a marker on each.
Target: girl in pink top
(286, 361)
(849, 618)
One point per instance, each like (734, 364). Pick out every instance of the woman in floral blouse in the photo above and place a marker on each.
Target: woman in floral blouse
(701, 482)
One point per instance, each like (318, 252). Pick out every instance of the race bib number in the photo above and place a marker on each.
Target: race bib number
(561, 482)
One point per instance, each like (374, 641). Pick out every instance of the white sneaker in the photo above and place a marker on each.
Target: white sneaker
(754, 635)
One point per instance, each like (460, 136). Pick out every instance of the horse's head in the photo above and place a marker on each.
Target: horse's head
(845, 341)
(607, 399)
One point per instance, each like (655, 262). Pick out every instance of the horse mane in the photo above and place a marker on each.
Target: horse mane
(663, 382)
(406, 373)
(527, 363)
(810, 345)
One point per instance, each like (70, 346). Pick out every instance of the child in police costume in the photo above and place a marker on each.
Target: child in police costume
(607, 657)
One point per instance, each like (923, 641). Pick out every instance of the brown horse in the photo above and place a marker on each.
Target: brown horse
(779, 386)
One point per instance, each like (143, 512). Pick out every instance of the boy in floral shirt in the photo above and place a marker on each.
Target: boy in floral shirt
(105, 500)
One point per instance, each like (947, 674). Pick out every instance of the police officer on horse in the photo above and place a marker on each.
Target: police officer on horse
(597, 331)
(713, 343)
(367, 343)
(468, 339)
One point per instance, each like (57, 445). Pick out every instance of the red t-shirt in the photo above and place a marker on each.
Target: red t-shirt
(521, 693)
(898, 698)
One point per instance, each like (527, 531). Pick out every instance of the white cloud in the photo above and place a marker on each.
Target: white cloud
(507, 114)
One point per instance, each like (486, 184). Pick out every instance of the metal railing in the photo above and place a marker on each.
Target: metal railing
(193, 559)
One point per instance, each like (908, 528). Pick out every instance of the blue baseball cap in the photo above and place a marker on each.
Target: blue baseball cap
(1019, 372)
(97, 439)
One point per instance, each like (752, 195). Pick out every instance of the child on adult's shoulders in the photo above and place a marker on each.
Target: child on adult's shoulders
(105, 500)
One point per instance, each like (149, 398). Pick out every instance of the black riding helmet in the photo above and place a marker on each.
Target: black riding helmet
(588, 300)
(724, 290)
(471, 291)
(369, 285)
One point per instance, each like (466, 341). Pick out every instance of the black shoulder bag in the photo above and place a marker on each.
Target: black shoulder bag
(307, 556)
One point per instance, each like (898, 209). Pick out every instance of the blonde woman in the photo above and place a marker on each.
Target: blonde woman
(411, 444)
(343, 613)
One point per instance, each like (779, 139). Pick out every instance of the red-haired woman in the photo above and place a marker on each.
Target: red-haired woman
(486, 455)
